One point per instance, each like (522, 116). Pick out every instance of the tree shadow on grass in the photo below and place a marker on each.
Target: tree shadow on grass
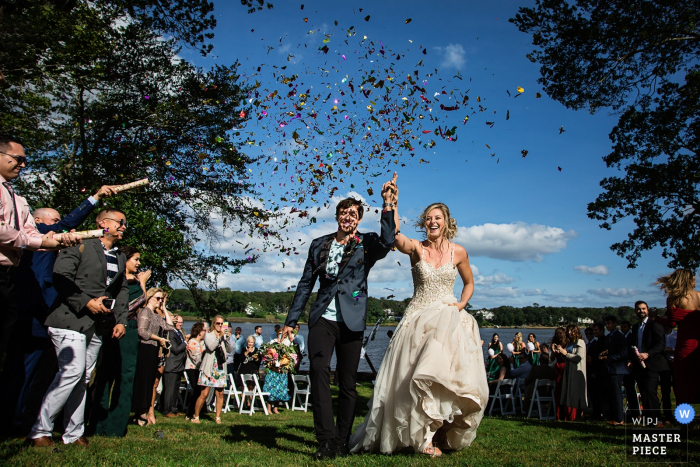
(266, 436)
(10, 448)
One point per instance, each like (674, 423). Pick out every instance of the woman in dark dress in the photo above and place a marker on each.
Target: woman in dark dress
(251, 361)
(559, 361)
(152, 326)
(115, 379)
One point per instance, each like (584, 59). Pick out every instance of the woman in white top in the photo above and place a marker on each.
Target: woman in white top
(195, 349)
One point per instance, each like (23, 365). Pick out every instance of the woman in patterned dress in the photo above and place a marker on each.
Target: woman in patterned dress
(276, 383)
(212, 371)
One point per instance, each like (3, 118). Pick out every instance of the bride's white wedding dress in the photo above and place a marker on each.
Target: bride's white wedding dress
(432, 373)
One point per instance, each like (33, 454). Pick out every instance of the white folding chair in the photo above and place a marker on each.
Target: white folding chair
(252, 393)
(230, 390)
(301, 393)
(545, 386)
(187, 389)
(518, 394)
(504, 392)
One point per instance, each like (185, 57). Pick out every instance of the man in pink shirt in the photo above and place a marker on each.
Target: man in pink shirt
(17, 232)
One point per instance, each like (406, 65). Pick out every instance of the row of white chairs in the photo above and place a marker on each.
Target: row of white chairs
(300, 394)
(509, 394)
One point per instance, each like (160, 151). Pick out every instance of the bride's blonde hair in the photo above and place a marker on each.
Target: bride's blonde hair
(678, 284)
(450, 224)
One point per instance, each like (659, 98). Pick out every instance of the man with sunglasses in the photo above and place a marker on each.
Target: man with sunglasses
(91, 284)
(17, 233)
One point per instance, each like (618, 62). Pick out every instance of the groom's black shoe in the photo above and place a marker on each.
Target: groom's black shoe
(326, 450)
(341, 449)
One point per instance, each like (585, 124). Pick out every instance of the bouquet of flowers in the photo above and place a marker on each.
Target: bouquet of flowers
(279, 357)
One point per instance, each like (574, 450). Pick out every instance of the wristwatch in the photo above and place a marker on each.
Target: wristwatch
(385, 205)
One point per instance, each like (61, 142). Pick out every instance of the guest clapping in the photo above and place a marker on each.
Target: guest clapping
(212, 372)
(153, 324)
(572, 381)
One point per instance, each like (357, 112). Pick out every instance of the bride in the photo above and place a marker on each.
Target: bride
(431, 389)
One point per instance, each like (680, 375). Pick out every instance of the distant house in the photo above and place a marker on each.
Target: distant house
(251, 309)
(585, 321)
(486, 314)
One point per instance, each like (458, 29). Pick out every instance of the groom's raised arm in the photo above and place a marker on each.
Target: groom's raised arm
(304, 288)
(379, 250)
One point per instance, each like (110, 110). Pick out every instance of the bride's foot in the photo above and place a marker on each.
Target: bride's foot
(432, 451)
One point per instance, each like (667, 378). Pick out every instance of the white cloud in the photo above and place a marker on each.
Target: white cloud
(600, 270)
(514, 242)
(613, 293)
(498, 278)
(454, 56)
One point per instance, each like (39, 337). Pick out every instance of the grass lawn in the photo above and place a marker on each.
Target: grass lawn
(288, 440)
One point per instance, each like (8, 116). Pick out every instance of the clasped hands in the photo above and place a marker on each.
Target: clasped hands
(390, 191)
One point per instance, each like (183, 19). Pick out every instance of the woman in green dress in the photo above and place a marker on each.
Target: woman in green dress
(115, 377)
(535, 352)
(497, 348)
(518, 347)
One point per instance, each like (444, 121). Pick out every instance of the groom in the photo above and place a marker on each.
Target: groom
(342, 261)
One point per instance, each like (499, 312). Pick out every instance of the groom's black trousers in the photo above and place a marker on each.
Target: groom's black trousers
(325, 336)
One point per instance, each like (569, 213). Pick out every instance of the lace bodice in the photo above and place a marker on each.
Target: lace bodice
(431, 283)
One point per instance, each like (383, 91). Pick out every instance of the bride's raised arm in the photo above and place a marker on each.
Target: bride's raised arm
(402, 242)
(465, 272)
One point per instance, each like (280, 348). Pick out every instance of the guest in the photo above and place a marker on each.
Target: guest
(114, 381)
(235, 358)
(276, 333)
(597, 372)
(299, 340)
(534, 355)
(683, 310)
(497, 348)
(544, 349)
(251, 358)
(153, 324)
(542, 371)
(276, 383)
(666, 377)
(502, 371)
(195, 351)
(615, 356)
(35, 294)
(518, 347)
(85, 278)
(628, 379)
(258, 337)
(174, 368)
(18, 233)
(573, 399)
(558, 362)
(212, 372)
(522, 370)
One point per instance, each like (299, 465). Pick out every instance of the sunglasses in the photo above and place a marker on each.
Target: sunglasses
(20, 159)
(121, 222)
(160, 299)
(218, 324)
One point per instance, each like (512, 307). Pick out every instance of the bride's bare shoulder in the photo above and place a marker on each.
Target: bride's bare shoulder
(460, 252)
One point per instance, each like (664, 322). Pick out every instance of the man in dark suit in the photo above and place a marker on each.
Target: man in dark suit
(91, 282)
(174, 368)
(650, 339)
(341, 260)
(615, 355)
(35, 294)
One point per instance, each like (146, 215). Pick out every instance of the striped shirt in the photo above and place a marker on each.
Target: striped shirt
(112, 263)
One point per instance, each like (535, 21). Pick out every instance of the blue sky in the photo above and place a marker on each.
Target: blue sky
(522, 220)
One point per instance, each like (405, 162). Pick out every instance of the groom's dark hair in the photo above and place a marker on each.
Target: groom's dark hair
(348, 202)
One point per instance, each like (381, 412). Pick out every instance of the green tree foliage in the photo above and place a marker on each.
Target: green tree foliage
(639, 57)
(100, 97)
(537, 315)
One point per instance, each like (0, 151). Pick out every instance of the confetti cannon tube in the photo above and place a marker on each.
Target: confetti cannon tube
(83, 234)
(131, 186)
(634, 347)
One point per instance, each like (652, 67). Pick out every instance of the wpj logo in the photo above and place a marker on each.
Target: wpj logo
(648, 440)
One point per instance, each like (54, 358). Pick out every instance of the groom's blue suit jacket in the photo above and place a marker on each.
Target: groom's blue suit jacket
(351, 283)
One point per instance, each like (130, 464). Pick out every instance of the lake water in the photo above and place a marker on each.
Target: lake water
(377, 347)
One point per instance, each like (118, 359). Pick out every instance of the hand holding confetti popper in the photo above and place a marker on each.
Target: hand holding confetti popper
(85, 234)
(131, 186)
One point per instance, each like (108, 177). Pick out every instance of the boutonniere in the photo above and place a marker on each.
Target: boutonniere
(354, 242)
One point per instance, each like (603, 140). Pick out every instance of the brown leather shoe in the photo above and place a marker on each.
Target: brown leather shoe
(170, 415)
(43, 442)
(82, 441)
